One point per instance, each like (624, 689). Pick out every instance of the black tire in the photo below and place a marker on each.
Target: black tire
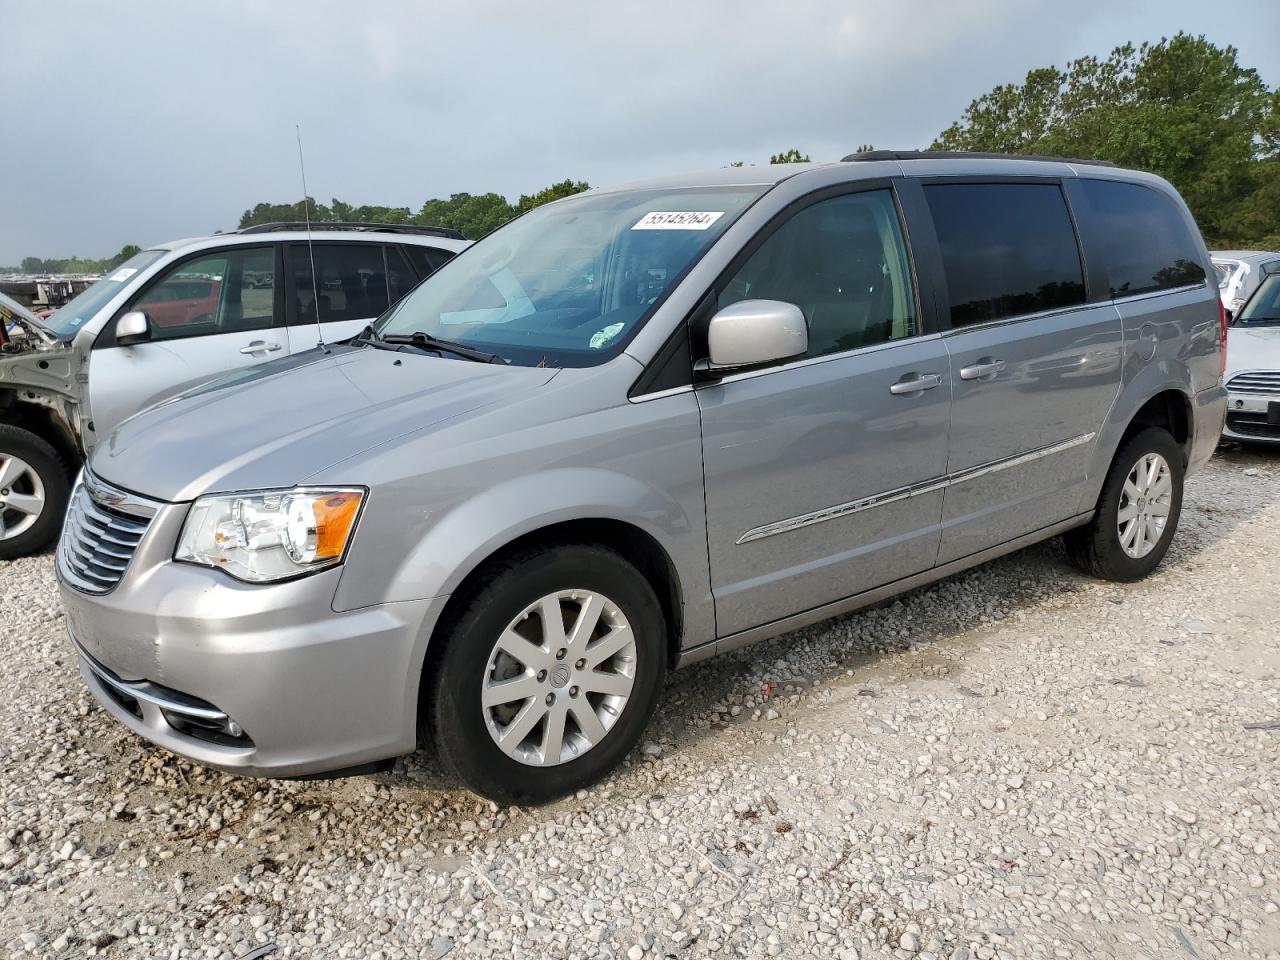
(453, 710)
(1095, 548)
(52, 472)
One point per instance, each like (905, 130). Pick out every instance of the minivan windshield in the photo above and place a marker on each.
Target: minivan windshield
(567, 284)
(79, 310)
(1263, 308)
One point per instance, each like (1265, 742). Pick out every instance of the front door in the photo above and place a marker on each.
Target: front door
(819, 471)
(1035, 368)
(209, 314)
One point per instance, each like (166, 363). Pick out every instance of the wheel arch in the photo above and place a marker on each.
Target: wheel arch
(1166, 404)
(45, 422)
(634, 544)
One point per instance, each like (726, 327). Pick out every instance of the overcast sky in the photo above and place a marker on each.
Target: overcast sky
(144, 121)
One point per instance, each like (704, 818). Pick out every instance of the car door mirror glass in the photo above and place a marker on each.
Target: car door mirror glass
(133, 327)
(752, 332)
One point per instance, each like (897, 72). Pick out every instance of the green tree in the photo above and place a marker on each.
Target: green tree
(32, 265)
(127, 251)
(1183, 108)
(557, 191)
(284, 212)
(790, 156)
(473, 215)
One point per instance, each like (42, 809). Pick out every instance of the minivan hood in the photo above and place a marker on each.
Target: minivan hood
(276, 424)
(1253, 348)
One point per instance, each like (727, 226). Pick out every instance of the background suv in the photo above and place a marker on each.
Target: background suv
(174, 316)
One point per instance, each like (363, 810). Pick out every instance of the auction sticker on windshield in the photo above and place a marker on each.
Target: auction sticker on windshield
(678, 220)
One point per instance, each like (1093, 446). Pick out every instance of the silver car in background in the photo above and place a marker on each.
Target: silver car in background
(1253, 368)
(634, 429)
(1240, 272)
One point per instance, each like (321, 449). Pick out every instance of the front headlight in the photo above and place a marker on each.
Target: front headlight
(270, 535)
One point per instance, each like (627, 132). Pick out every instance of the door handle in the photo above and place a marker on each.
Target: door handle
(917, 384)
(985, 369)
(260, 346)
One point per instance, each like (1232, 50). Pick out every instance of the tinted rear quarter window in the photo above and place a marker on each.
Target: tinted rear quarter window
(427, 260)
(1139, 238)
(1008, 249)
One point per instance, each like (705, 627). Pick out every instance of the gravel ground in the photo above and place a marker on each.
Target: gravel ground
(1018, 762)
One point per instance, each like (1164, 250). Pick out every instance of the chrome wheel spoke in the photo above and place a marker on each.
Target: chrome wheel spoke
(584, 627)
(610, 645)
(520, 726)
(610, 684)
(21, 497)
(552, 615)
(1129, 535)
(1158, 509)
(1127, 512)
(553, 734)
(523, 687)
(1163, 486)
(27, 503)
(588, 722)
(521, 650)
(548, 703)
(11, 468)
(1131, 491)
(1153, 471)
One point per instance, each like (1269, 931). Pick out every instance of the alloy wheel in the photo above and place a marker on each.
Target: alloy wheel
(22, 496)
(1145, 501)
(559, 677)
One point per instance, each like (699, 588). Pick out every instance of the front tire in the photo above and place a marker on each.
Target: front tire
(33, 492)
(549, 674)
(1137, 512)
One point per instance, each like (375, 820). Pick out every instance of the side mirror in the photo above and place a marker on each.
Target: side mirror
(752, 332)
(133, 327)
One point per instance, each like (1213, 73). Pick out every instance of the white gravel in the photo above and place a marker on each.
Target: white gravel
(1018, 762)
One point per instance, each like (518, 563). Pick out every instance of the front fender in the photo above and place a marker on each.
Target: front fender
(475, 528)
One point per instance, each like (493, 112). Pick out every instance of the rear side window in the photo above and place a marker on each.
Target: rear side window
(1140, 238)
(351, 282)
(400, 279)
(1008, 249)
(428, 260)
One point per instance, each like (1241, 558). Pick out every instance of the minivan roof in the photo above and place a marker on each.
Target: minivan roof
(883, 163)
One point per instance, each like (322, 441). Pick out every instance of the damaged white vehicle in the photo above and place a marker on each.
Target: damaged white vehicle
(39, 421)
(172, 317)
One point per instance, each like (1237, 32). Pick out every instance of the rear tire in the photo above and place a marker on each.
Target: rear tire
(1137, 513)
(33, 492)
(525, 708)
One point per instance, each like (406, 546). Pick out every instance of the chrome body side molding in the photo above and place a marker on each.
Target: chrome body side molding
(914, 490)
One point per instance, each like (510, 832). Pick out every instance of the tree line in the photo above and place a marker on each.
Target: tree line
(38, 265)
(1182, 108)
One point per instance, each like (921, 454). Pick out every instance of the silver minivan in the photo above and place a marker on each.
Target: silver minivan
(634, 429)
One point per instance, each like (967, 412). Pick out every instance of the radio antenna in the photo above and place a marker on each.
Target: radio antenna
(311, 253)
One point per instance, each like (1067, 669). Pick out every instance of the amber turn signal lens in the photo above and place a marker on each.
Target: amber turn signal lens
(335, 516)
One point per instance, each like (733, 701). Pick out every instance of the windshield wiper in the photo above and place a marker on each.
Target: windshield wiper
(424, 341)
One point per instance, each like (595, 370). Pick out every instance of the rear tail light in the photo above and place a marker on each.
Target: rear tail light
(1222, 332)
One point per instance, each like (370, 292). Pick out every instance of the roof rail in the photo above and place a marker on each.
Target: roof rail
(410, 228)
(963, 155)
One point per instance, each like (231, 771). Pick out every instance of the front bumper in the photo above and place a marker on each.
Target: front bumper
(265, 680)
(1248, 419)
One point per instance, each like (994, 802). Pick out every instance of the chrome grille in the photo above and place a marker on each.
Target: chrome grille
(1264, 382)
(103, 529)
